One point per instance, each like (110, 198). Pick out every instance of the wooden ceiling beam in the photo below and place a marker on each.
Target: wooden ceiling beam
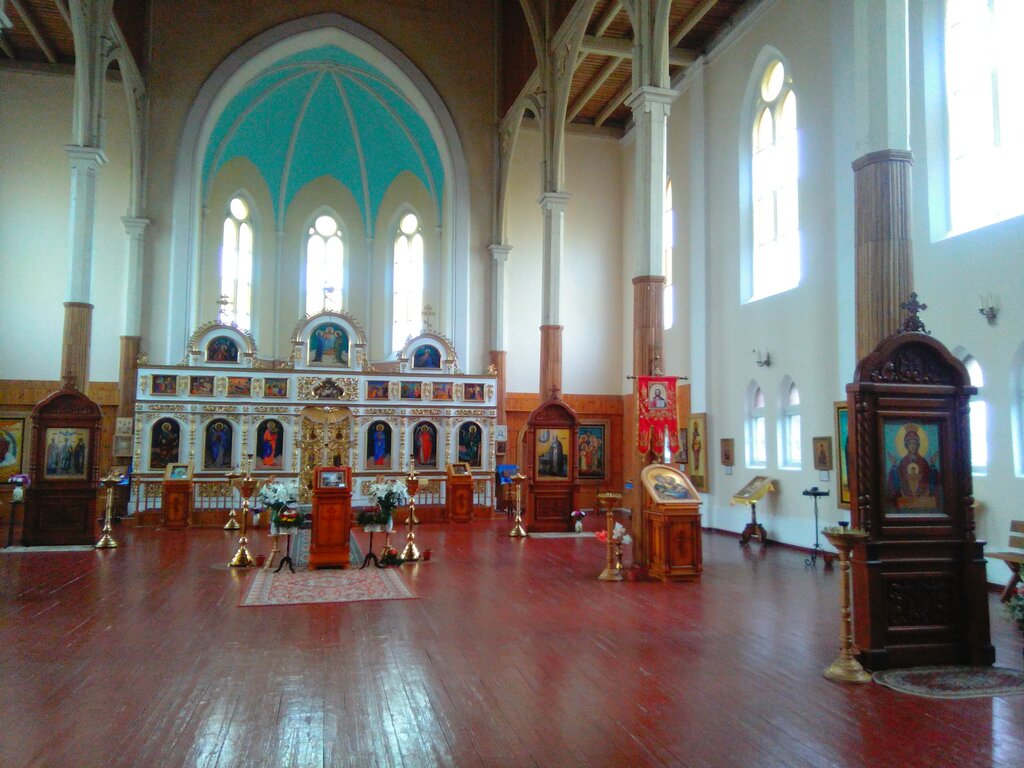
(690, 22)
(62, 7)
(613, 104)
(623, 49)
(6, 47)
(599, 79)
(609, 16)
(34, 31)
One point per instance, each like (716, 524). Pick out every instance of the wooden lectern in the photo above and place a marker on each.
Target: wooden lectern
(750, 494)
(176, 503)
(672, 524)
(332, 517)
(459, 494)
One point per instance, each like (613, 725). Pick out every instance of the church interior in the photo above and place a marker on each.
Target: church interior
(736, 276)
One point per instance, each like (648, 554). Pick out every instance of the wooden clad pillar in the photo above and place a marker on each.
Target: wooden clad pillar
(499, 359)
(128, 369)
(884, 255)
(550, 360)
(77, 336)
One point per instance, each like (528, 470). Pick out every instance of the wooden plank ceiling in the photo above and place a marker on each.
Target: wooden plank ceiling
(39, 32)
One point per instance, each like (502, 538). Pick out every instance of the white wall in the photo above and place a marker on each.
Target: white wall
(809, 330)
(35, 187)
(591, 310)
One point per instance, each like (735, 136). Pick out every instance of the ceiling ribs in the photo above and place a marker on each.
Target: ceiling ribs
(623, 48)
(690, 22)
(34, 31)
(63, 8)
(614, 103)
(613, 10)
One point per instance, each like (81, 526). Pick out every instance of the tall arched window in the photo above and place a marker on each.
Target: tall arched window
(775, 263)
(236, 265)
(325, 265)
(978, 417)
(407, 281)
(757, 447)
(985, 110)
(790, 447)
(668, 236)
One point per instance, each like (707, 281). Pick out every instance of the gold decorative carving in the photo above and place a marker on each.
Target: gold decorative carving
(193, 342)
(154, 490)
(257, 387)
(220, 386)
(479, 486)
(213, 490)
(144, 384)
(458, 390)
(182, 385)
(489, 391)
(325, 440)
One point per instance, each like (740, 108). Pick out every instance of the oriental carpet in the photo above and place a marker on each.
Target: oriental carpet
(962, 682)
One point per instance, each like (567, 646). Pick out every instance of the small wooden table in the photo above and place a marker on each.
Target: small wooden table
(286, 531)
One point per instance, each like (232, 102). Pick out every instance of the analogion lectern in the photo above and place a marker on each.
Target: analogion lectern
(332, 517)
(176, 503)
(459, 493)
(672, 524)
(750, 494)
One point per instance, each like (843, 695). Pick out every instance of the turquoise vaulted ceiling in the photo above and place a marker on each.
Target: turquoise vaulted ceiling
(325, 112)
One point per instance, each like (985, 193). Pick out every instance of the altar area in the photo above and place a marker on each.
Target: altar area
(326, 405)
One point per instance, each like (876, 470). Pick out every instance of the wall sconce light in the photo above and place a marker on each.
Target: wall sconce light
(989, 308)
(763, 361)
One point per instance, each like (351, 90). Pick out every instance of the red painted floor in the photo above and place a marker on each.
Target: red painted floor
(514, 654)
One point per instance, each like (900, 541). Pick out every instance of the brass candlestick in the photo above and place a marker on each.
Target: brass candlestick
(518, 530)
(845, 669)
(247, 486)
(411, 552)
(613, 569)
(232, 523)
(106, 539)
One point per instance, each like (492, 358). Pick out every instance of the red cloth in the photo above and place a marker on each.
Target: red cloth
(656, 408)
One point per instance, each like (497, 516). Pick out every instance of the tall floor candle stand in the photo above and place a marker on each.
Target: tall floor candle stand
(232, 523)
(845, 668)
(518, 530)
(411, 552)
(613, 569)
(247, 486)
(106, 539)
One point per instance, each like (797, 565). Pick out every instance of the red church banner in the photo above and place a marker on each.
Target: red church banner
(656, 407)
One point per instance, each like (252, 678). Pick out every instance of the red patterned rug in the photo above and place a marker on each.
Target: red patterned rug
(325, 586)
(953, 682)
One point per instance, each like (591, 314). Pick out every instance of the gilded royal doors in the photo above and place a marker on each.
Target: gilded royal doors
(325, 441)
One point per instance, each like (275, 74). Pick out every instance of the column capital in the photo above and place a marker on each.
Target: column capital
(134, 225)
(553, 200)
(883, 156)
(642, 99)
(78, 153)
(499, 252)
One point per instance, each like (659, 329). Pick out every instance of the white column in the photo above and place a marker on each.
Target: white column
(85, 164)
(499, 256)
(135, 229)
(553, 206)
(881, 75)
(651, 107)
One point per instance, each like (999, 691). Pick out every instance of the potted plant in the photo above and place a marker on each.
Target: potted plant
(1015, 607)
(279, 498)
(388, 495)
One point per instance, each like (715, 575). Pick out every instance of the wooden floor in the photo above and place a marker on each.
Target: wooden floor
(512, 655)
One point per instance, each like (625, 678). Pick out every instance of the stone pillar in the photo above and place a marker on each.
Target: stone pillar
(882, 204)
(499, 254)
(85, 164)
(553, 205)
(498, 360)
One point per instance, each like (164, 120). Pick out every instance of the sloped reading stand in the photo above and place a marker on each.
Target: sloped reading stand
(919, 578)
(60, 504)
(750, 494)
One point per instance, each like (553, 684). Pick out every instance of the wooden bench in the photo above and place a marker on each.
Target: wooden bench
(1013, 558)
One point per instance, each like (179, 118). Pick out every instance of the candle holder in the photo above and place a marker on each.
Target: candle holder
(613, 568)
(845, 669)
(247, 486)
(517, 530)
(412, 485)
(232, 523)
(106, 539)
